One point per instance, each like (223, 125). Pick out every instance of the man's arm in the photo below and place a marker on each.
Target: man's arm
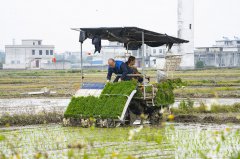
(124, 71)
(109, 75)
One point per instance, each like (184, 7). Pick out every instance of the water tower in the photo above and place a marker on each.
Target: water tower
(186, 31)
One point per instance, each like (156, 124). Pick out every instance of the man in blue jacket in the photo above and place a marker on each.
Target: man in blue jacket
(117, 67)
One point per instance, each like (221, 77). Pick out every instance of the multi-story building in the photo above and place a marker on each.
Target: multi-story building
(151, 54)
(225, 53)
(31, 54)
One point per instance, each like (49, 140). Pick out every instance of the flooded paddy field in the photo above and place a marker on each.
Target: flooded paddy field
(33, 105)
(170, 140)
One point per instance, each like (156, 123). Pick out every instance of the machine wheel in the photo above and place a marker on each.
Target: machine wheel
(155, 117)
(110, 123)
(130, 117)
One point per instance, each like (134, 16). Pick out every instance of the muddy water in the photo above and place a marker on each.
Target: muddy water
(210, 101)
(36, 105)
(32, 105)
(173, 140)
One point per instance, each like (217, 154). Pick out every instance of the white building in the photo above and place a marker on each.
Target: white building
(114, 50)
(151, 55)
(31, 54)
(225, 53)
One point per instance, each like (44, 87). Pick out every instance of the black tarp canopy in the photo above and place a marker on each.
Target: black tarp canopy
(131, 36)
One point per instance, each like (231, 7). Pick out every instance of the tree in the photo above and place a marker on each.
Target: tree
(199, 64)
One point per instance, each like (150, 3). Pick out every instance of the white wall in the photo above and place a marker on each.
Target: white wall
(31, 42)
(186, 32)
(15, 55)
(14, 66)
(57, 65)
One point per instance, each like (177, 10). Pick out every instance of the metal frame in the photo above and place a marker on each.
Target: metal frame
(81, 63)
(126, 105)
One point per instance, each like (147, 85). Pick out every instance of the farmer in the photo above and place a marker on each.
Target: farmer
(117, 67)
(132, 69)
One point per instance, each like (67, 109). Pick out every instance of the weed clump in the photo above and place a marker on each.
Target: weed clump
(186, 105)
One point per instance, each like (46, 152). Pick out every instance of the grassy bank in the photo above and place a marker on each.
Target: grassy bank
(207, 114)
(31, 119)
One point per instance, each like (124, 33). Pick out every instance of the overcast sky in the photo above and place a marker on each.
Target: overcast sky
(51, 20)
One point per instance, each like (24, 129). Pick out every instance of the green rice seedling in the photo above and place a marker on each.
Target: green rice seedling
(113, 97)
(164, 95)
(109, 105)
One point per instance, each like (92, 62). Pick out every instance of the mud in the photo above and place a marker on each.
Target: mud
(218, 118)
(33, 105)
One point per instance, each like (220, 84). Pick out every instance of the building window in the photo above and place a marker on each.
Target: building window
(47, 52)
(190, 26)
(40, 52)
(12, 62)
(39, 42)
(18, 62)
(51, 52)
(154, 51)
(154, 61)
(33, 52)
(238, 42)
(33, 43)
(160, 51)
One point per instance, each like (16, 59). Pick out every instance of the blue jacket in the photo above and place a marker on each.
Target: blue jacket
(120, 68)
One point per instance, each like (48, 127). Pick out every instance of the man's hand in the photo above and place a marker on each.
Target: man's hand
(108, 81)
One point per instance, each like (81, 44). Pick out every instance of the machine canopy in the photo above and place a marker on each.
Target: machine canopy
(130, 36)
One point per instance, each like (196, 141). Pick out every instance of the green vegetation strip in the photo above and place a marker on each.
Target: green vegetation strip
(110, 104)
(31, 119)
